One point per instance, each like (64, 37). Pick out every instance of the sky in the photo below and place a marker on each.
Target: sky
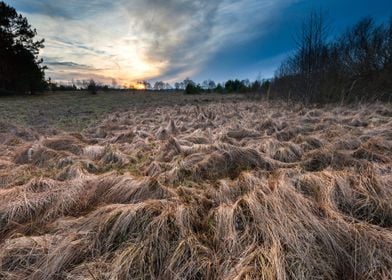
(121, 41)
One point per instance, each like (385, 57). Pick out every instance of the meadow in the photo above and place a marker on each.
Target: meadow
(169, 186)
(74, 111)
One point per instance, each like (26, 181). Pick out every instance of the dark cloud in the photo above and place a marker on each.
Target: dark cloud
(68, 64)
(69, 9)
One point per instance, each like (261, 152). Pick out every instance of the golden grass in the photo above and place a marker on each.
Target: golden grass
(220, 190)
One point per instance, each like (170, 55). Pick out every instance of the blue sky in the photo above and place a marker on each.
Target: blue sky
(129, 40)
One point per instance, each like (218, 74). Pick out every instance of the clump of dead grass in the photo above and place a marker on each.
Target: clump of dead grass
(241, 190)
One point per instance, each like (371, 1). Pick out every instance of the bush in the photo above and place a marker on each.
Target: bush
(219, 89)
(92, 87)
(192, 89)
(236, 86)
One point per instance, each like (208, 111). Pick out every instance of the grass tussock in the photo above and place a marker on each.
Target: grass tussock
(241, 190)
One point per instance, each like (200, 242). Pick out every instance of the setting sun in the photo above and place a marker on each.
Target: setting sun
(129, 63)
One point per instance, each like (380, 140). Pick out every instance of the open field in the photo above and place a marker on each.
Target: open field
(74, 111)
(194, 187)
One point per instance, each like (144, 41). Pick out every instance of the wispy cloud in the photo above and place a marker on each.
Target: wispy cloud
(149, 39)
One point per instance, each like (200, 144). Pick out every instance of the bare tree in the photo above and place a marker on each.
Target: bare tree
(147, 85)
(312, 52)
(357, 65)
(211, 85)
(305, 69)
(204, 85)
(114, 83)
(159, 85)
(187, 82)
(208, 85)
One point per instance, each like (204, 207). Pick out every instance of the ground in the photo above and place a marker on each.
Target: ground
(168, 186)
(74, 111)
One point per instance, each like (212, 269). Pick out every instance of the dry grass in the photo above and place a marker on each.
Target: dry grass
(220, 190)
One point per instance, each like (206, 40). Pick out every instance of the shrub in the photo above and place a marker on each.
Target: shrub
(92, 87)
(192, 89)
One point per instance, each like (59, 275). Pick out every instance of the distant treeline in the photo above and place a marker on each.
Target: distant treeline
(355, 66)
(230, 86)
(188, 86)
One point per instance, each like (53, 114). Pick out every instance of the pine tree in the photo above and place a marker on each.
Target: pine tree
(20, 67)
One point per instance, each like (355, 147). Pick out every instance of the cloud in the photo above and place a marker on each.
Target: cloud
(68, 64)
(68, 9)
(149, 39)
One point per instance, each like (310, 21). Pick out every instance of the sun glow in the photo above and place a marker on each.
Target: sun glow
(124, 57)
(130, 63)
(137, 86)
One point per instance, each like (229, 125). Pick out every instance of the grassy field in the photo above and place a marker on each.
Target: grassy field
(193, 187)
(76, 110)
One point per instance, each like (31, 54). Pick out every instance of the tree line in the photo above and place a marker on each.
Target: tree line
(187, 86)
(355, 66)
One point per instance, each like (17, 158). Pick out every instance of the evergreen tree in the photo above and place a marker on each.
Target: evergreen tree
(20, 67)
